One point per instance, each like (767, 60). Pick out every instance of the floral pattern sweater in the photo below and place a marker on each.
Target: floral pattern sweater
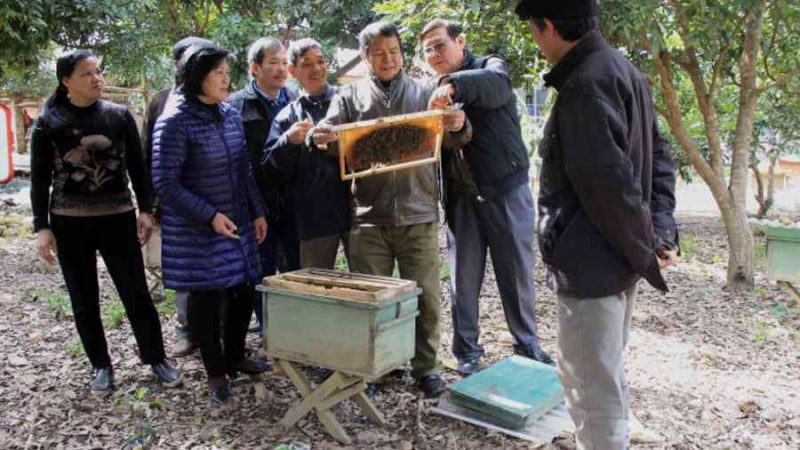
(88, 156)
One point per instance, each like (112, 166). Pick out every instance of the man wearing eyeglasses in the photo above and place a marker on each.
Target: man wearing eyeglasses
(488, 204)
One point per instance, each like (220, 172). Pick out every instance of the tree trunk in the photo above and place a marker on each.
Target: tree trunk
(741, 259)
(773, 161)
(761, 196)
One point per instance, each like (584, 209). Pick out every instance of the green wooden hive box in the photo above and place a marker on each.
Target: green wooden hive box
(512, 392)
(358, 324)
(783, 254)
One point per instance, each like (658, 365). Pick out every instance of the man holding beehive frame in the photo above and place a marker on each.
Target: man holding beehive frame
(489, 204)
(396, 213)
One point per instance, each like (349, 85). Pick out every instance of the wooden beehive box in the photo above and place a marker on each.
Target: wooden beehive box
(390, 143)
(783, 254)
(358, 324)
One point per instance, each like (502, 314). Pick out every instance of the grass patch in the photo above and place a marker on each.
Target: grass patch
(57, 300)
(113, 313)
(761, 255)
(444, 270)
(688, 245)
(781, 322)
(75, 349)
(341, 263)
(15, 226)
(167, 306)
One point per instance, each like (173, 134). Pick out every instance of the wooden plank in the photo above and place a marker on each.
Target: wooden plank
(338, 292)
(385, 281)
(329, 281)
(369, 409)
(390, 120)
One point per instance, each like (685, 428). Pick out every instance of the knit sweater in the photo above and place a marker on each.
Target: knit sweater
(88, 155)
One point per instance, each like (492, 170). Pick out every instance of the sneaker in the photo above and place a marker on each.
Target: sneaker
(536, 354)
(248, 366)
(218, 390)
(102, 382)
(431, 385)
(167, 375)
(468, 366)
(183, 346)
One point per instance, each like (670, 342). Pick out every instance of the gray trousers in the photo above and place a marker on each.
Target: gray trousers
(504, 225)
(592, 334)
(321, 252)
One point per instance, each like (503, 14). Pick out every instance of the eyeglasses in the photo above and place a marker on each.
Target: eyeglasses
(437, 48)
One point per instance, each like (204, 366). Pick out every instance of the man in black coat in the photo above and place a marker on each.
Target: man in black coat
(488, 204)
(264, 96)
(606, 207)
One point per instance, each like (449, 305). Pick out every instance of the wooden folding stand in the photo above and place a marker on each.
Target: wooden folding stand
(335, 389)
(359, 326)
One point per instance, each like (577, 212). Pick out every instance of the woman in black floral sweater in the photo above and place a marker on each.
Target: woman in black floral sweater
(88, 150)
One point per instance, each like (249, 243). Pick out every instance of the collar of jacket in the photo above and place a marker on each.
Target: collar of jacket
(560, 73)
(469, 60)
(330, 91)
(197, 108)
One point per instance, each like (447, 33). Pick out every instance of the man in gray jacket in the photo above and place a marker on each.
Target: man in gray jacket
(396, 213)
(489, 203)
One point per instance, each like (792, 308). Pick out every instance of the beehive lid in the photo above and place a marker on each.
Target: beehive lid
(345, 286)
(512, 392)
(391, 143)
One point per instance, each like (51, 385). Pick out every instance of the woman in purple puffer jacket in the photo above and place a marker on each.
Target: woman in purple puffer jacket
(213, 216)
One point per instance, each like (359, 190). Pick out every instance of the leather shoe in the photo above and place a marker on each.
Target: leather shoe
(167, 375)
(468, 366)
(102, 382)
(535, 353)
(431, 385)
(218, 390)
(183, 346)
(248, 366)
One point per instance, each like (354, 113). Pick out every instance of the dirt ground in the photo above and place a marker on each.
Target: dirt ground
(708, 369)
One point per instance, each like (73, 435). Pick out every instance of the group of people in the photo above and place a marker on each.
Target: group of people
(239, 181)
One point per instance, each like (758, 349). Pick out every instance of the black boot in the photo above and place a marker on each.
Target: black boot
(102, 382)
(167, 375)
(218, 390)
(248, 366)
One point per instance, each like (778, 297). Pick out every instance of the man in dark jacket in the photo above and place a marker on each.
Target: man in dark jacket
(183, 345)
(324, 220)
(606, 209)
(259, 102)
(489, 202)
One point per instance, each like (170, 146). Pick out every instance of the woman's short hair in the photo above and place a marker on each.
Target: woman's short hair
(195, 65)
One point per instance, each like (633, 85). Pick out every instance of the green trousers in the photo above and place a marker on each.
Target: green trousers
(374, 250)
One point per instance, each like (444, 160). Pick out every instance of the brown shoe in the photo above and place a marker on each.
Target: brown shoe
(183, 347)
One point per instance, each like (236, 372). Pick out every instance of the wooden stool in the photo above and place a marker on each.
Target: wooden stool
(335, 389)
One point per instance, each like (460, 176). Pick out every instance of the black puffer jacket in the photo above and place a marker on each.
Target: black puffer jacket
(606, 200)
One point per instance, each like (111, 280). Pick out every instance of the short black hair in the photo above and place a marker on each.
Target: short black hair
(375, 29)
(299, 48)
(195, 65)
(453, 30)
(570, 30)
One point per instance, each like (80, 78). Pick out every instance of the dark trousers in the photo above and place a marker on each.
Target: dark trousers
(504, 225)
(206, 309)
(78, 239)
(281, 249)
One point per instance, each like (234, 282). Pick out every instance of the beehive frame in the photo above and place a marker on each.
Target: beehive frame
(349, 134)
